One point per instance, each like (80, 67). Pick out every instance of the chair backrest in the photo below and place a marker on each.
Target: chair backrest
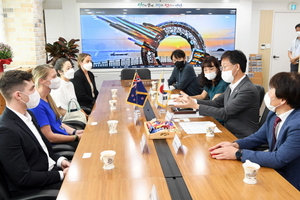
(261, 91)
(263, 116)
(128, 73)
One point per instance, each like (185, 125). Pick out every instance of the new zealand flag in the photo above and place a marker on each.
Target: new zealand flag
(138, 93)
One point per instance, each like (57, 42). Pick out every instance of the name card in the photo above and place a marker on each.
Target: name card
(153, 194)
(169, 116)
(176, 144)
(144, 145)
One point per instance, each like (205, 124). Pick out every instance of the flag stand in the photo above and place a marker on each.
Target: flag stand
(161, 110)
(136, 115)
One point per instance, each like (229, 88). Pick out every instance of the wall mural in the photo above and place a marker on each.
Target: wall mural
(121, 38)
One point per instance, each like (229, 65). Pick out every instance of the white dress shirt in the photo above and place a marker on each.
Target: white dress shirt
(232, 86)
(283, 118)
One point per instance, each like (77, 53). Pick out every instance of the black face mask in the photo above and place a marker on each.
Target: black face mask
(179, 64)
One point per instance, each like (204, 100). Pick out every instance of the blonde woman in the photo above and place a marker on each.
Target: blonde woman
(84, 82)
(46, 113)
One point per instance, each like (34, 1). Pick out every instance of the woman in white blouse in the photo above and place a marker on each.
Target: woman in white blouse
(66, 91)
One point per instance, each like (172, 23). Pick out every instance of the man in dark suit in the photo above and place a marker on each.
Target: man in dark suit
(283, 101)
(239, 105)
(26, 158)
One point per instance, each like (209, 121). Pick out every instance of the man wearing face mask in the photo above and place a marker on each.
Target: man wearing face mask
(183, 76)
(280, 130)
(294, 51)
(239, 105)
(26, 158)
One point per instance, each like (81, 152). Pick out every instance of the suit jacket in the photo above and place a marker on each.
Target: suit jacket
(83, 89)
(22, 159)
(285, 157)
(239, 110)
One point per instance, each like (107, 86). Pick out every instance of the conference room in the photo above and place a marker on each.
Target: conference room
(136, 36)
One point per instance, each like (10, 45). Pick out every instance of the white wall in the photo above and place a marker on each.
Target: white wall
(247, 25)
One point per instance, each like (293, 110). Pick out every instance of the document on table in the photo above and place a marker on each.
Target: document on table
(196, 127)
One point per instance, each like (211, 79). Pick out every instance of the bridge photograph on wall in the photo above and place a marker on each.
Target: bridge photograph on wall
(146, 37)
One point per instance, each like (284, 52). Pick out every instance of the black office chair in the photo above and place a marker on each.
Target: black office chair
(75, 124)
(43, 194)
(128, 73)
(261, 91)
(262, 120)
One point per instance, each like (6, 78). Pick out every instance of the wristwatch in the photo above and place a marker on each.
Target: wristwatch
(239, 154)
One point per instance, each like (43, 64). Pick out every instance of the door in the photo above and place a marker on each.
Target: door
(283, 34)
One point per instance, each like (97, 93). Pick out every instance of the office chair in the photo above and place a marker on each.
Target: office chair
(128, 73)
(262, 120)
(43, 194)
(261, 91)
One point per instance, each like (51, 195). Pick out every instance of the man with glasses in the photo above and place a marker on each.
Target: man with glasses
(239, 105)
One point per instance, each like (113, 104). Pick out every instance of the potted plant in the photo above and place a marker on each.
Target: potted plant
(62, 49)
(6, 55)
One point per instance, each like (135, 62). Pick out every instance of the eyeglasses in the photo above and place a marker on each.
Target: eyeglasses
(224, 68)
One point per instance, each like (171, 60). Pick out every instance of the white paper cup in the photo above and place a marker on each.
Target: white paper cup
(112, 126)
(153, 94)
(250, 170)
(108, 158)
(210, 129)
(153, 85)
(113, 104)
(114, 93)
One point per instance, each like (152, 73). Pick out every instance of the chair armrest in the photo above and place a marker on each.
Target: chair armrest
(62, 147)
(43, 194)
(75, 124)
(68, 154)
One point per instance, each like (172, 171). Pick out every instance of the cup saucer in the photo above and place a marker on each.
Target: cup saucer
(108, 167)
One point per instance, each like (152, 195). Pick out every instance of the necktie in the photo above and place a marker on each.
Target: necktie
(277, 120)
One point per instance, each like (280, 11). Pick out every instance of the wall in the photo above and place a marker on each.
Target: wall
(71, 27)
(24, 31)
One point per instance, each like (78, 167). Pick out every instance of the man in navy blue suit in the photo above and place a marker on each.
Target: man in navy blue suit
(26, 158)
(283, 137)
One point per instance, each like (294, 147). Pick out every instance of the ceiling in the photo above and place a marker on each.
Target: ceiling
(57, 4)
(170, 1)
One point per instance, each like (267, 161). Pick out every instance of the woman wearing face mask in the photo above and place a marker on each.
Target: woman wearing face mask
(47, 113)
(211, 79)
(183, 76)
(66, 91)
(84, 82)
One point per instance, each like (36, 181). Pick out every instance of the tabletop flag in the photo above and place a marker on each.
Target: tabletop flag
(163, 91)
(138, 94)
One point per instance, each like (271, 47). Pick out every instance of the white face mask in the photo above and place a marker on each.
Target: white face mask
(34, 99)
(210, 76)
(55, 83)
(268, 100)
(298, 33)
(69, 74)
(87, 66)
(227, 76)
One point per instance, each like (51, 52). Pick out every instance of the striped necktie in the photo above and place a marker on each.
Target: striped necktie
(277, 120)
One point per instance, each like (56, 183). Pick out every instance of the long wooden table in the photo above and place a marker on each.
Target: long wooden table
(135, 173)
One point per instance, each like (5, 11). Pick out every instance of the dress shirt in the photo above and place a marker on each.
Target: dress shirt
(232, 86)
(27, 119)
(283, 118)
